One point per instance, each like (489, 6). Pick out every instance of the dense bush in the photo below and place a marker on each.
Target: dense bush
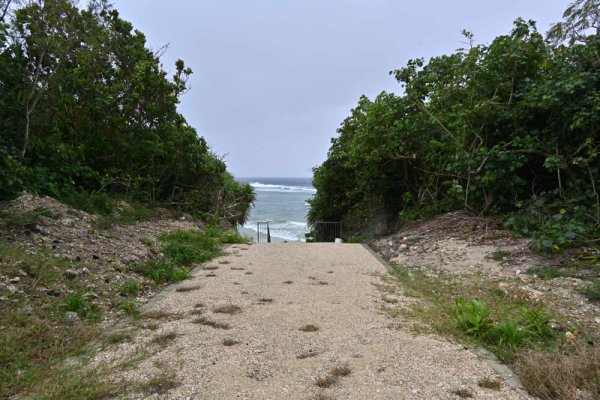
(86, 108)
(508, 128)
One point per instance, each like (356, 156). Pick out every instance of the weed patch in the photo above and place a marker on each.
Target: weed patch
(562, 375)
(26, 218)
(463, 393)
(129, 289)
(488, 383)
(309, 328)
(156, 314)
(211, 323)
(332, 377)
(164, 339)
(500, 255)
(129, 308)
(160, 384)
(592, 293)
(227, 309)
(161, 270)
(188, 288)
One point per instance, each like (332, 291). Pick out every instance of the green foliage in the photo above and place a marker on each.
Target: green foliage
(508, 336)
(505, 128)
(186, 247)
(88, 114)
(357, 239)
(130, 308)
(75, 302)
(26, 218)
(499, 255)
(130, 289)
(592, 293)
(537, 323)
(162, 270)
(473, 317)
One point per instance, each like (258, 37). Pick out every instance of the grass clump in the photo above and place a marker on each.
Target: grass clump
(77, 303)
(160, 384)
(592, 293)
(488, 383)
(161, 270)
(26, 218)
(130, 308)
(211, 323)
(227, 309)
(463, 393)
(129, 289)
(332, 377)
(309, 328)
(156, 314)
(566, 375)
(195, 246)
(500, 255)
(164, 339)
(188, 288)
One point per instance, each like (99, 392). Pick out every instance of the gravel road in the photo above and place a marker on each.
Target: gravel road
(239, 334)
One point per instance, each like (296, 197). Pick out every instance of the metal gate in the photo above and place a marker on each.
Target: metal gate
(263, 232)
(327, 231)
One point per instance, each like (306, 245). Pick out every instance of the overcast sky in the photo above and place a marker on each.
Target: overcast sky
(273, 79)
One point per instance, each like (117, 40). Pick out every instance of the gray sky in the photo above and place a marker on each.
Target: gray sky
(273, 79)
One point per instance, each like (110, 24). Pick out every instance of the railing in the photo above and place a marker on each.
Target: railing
(327, 231)
(263, 232)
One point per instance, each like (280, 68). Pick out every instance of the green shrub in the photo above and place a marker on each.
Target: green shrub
(232, 237)
(472, 316)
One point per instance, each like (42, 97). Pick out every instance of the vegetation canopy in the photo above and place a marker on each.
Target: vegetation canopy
(509, 128)
(87, 110)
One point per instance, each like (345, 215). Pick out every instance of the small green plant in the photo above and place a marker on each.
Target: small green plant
(129, 308)
(508, 336)
(75, 302)
(500, 255)
(147, 241)
(472, 316)
(129, 289)
(537, 323)
(592, 292)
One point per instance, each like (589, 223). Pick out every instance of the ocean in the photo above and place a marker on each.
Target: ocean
(283, 203)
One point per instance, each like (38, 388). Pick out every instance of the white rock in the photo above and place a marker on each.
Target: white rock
(403, 246)
(12, 288)
(16, 279)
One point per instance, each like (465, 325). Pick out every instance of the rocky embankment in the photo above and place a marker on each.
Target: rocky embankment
(84, 247)
(461, 245)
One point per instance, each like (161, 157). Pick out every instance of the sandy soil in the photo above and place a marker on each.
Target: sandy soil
(279, 288)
